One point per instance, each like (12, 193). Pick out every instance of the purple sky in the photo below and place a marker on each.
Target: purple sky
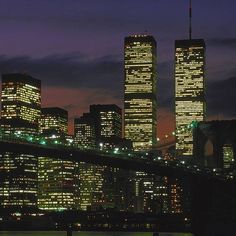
(76, 48)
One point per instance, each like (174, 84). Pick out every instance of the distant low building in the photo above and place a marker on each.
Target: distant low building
(108, 122)
(53, 119)
(84, 131)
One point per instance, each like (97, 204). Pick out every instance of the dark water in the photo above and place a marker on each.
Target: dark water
(54, 233)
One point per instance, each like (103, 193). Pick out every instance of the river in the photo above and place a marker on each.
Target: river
(57, 233)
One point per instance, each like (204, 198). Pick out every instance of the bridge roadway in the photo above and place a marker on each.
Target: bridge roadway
(146, 162)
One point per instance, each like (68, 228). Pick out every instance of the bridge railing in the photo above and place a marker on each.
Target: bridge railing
(143, 157)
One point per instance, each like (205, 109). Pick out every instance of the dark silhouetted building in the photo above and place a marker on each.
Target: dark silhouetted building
(215, 144)
(108, 123)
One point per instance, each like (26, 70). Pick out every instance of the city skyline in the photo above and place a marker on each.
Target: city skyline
(118, 110)
(67, 53)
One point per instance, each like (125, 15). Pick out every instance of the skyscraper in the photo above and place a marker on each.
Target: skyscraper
(57, 179)
(108, 129)
(90, 176)
(190, 103)
(140, 107)
(189, 91)
(21, 104)
(140, 103)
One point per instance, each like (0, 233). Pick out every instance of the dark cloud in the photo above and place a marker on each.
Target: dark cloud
(76, 71)
(106, 73)
(222, 42)
(220, 94)
(71, 70)
(221, 98)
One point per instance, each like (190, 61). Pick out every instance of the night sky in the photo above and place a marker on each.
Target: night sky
(76, 48)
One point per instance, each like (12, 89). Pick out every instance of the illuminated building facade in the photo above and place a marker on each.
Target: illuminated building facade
(189, 91)
(57, 184)
(176, 203)
(90, 176)
(53, 119)
(140, 103)
(228, 156)
(21, 105)
(101, 128)
(140, 107)
(108, 123)
(84, 130)
(108, 130)
(57, 179)
(90, 186)
(151, 193)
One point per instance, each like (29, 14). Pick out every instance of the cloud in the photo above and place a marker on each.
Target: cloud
(221, 98)
(222, 42)
(69, 70)
(73, 81)
(75, 70)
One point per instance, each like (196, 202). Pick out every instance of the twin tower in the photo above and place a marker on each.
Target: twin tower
(140, 85)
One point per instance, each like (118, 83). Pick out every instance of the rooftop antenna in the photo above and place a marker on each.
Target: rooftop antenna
(190, 19)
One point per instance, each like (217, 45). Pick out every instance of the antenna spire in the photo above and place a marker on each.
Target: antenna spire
(190, 19)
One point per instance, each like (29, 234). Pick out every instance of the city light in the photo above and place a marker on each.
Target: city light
(189, 92)
(140, 91)
(157, 164)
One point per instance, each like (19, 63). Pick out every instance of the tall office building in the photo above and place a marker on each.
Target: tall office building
(190, 104)
(140, 103)
(189, 91)
(21, 104)
(108, 123)
(108, 129)
(90, 176)
(98, 184)
(57, 179)
(140, 108)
